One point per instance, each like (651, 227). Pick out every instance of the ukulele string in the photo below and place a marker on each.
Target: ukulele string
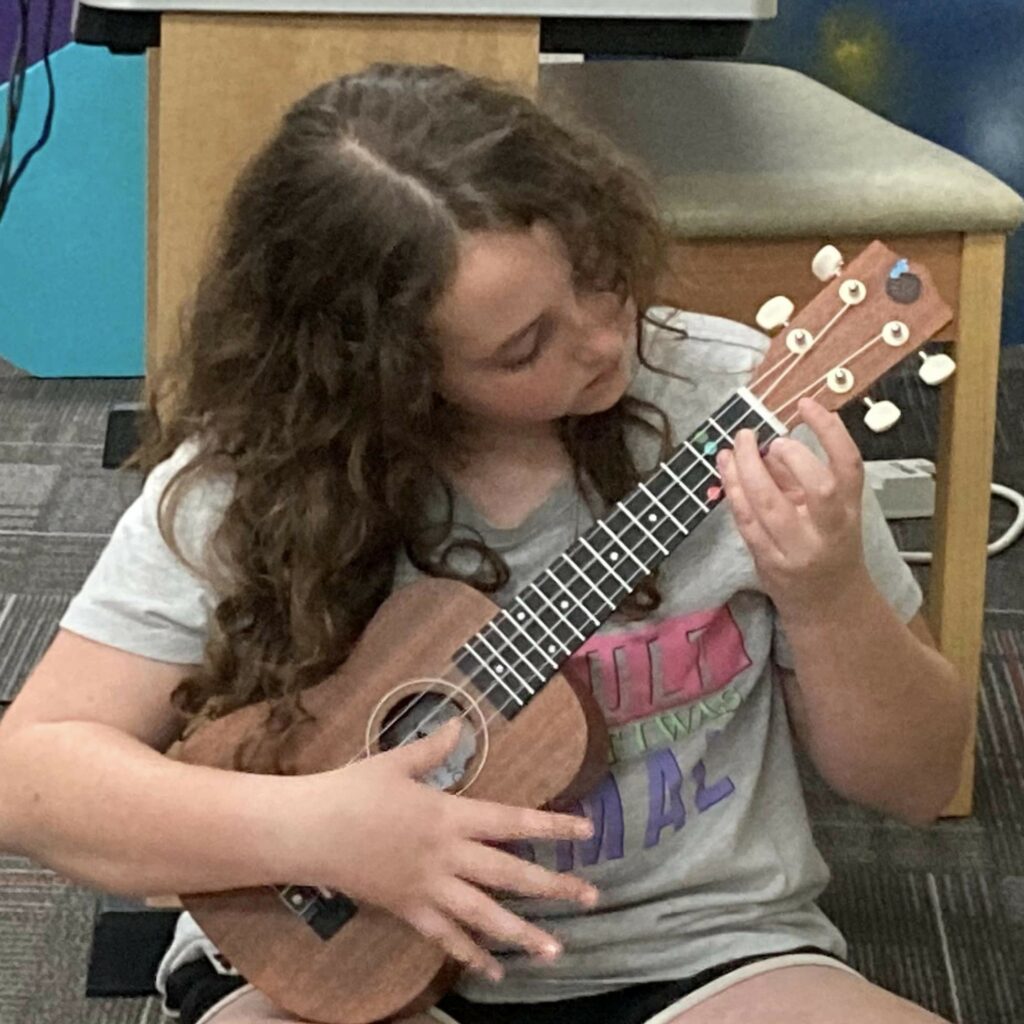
(500, 709)
(818, 386)
(799, 355)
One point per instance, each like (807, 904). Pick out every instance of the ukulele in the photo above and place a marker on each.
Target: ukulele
(533, 738)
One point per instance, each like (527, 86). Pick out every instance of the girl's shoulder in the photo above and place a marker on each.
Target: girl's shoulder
(200, 505)
(703, 359)
(697, 344)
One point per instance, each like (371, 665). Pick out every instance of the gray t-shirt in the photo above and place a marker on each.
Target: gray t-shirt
(702, 850)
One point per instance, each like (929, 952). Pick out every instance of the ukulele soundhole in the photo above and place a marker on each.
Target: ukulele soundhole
(419, 714)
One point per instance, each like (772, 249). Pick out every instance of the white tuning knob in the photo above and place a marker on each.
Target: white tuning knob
(775, 313)
(827, 262)
(881, 416)
(935, 369)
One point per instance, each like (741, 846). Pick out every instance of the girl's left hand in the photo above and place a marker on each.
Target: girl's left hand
(800, 518)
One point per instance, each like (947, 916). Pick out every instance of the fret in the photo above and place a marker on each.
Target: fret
(561, 618)
(571, 597)
(579, 598)
(611, 572)
(555, 613)
(625, 547)
(686, 490)
(656, 503)
(520, 615)
(701, 459)
(654, 540)
(502, 666)
(590, 583)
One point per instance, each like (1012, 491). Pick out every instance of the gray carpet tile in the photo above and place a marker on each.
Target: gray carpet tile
(935, 914)
(65, 411)
(45, 933)
(27, 624)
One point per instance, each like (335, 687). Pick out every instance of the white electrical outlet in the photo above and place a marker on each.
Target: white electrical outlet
(905, 488)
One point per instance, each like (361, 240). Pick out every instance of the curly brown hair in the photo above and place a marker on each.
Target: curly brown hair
(307, 364)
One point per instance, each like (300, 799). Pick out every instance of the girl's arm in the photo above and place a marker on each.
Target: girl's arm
(85, 790)
(884, 716)
(885, 721)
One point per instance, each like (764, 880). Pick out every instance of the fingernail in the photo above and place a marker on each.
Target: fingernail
(495, 974)
(590, 896)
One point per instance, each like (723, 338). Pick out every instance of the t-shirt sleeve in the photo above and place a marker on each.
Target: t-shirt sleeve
(140, 597)
(889, 572)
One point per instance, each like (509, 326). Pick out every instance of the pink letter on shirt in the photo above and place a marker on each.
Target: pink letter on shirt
(646, 671)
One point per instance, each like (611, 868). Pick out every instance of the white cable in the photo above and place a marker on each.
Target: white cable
(1008, 538)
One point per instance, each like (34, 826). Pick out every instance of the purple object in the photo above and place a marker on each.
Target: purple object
(10, 20)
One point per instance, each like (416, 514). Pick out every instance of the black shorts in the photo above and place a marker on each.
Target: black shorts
(195, 988)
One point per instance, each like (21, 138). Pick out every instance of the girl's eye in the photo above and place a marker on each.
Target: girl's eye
(524, 361)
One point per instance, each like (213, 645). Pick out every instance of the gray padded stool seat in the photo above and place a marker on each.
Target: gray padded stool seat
(756, 150)
(756, 167)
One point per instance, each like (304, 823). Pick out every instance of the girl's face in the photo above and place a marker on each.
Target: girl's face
(521, 346)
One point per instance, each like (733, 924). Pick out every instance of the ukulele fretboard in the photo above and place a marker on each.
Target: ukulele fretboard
(523, 646)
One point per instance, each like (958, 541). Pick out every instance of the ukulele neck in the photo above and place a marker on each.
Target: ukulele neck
(524, 645)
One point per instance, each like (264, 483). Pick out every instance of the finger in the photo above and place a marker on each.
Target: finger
(818, 482)
(782, 476)
(420, 756)
(748, 524)
(844, 456)
(767, 504)
(469, 906)
(439, 928)
(486, 820)
(503, 871)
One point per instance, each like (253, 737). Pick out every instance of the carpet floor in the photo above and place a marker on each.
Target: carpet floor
(934, 914)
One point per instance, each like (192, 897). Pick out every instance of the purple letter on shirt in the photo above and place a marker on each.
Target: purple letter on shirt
(604, 808)
(664, 779)
(707, 797)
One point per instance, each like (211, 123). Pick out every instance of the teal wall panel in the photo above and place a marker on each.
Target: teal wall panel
(72, 242)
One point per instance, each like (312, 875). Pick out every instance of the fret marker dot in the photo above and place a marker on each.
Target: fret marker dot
(520, 616)
(552, 648)
(613, 555)
(653, 517)
(497, 668)
(563, 604)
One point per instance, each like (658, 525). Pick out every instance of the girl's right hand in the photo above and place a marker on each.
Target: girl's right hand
(427, 856)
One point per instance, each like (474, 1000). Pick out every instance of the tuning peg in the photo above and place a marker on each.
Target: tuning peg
(775, 313)
(827, 262)
(881, 416)
(935, 369)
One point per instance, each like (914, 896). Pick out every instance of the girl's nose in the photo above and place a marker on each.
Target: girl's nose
(599, 320)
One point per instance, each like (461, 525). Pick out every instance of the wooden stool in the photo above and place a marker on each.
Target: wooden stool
(759, 166)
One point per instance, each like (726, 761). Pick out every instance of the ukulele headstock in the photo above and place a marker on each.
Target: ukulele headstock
(871, 314)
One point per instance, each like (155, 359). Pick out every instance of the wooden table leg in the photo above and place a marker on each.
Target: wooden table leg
(219, 83)
(956, 592)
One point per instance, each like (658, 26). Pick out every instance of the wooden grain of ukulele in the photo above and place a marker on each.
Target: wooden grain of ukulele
(534, 738)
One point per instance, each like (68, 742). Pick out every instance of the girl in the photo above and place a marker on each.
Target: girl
(425, 344)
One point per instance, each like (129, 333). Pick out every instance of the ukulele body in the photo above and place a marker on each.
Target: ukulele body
(374, 966)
